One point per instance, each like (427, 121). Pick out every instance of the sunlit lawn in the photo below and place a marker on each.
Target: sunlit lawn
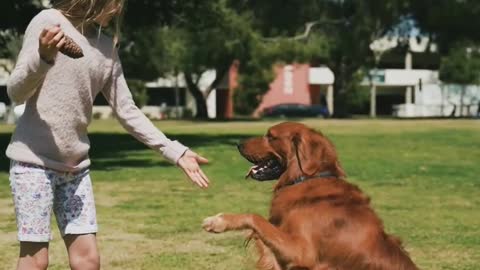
(423, 177)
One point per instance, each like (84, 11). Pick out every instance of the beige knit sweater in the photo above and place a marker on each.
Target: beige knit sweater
(59, 99)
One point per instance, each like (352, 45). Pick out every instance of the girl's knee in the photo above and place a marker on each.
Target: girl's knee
(41, 263)
(82, 252)
(33, 256)
(89, 261)
(33, 263)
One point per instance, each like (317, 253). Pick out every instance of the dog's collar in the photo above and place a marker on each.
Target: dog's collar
(303, 178)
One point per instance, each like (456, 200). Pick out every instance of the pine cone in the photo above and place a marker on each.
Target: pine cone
(71, 49)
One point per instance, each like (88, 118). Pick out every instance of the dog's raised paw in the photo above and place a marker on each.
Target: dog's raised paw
(215, 224)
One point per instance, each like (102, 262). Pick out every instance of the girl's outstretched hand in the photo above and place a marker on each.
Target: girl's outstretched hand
(190, 164)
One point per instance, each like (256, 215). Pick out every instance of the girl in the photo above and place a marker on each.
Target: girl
(49, 148)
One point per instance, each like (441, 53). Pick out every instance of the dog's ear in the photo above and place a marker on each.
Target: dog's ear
(304, 150)
(315, 153)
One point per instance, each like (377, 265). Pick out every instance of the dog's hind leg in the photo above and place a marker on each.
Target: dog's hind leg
(289, 251)
(266, 260)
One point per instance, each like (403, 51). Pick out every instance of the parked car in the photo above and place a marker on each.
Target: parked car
(296, 110)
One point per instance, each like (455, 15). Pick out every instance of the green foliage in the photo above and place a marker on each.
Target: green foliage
(461, 65)
(136, 55)
(12, 43)
(17, 14)
(15, 17)
(339, 38)
(171, 50)
(449, 21)
(139, 92)
(256, 72)
(190, 37)
(355, 97)
(246, 100)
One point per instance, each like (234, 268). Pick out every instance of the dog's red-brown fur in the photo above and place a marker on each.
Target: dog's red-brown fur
(319, 224)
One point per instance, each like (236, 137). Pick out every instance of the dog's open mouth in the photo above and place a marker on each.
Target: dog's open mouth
(268, 169)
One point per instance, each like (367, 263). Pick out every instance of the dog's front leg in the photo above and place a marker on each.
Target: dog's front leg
(291, 251)
(226, 222)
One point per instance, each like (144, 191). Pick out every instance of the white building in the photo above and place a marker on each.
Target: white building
(424, 94)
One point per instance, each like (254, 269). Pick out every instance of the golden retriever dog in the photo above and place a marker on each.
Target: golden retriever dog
(318, 220)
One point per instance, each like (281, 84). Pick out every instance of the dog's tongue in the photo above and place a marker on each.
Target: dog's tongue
(252, 170)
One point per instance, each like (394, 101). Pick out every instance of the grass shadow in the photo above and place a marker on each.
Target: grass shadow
(120, 150)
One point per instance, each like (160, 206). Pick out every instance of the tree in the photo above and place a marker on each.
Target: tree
(11, 49)
(188, 37)
(15, 17)
(453, 25)
(447, 21)
(347, 27)
(212, 34)
(256, 70)
(203, 35)
(461, 66)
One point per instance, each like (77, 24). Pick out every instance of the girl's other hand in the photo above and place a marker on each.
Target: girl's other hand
(189, 163)
(50, 41)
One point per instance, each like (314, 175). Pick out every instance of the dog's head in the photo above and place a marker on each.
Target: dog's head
(288, 151)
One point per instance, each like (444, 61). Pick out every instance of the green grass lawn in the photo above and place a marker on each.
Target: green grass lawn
(423, 177)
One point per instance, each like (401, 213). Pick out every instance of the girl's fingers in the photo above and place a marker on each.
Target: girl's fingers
(201, 159)
(43, 33)
(56, 39)
(204, 177)
(50, 36)
(193, 171)
(199, 180)
(61, 43)
(195, 179)
(202, 182)
(51, 33)
(43, 38)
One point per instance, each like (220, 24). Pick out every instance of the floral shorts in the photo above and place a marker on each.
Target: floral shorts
(37, 191)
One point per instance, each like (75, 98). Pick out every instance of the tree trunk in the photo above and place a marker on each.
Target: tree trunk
(340, 90)
(344, 73)
(220, 73)
(200, 100)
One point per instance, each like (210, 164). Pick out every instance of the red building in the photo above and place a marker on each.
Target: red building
(296, 83)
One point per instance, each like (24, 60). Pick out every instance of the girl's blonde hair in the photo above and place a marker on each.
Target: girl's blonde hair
(84, 12)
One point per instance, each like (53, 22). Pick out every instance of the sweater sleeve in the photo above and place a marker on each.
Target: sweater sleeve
(30, 69)
(134, 120)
